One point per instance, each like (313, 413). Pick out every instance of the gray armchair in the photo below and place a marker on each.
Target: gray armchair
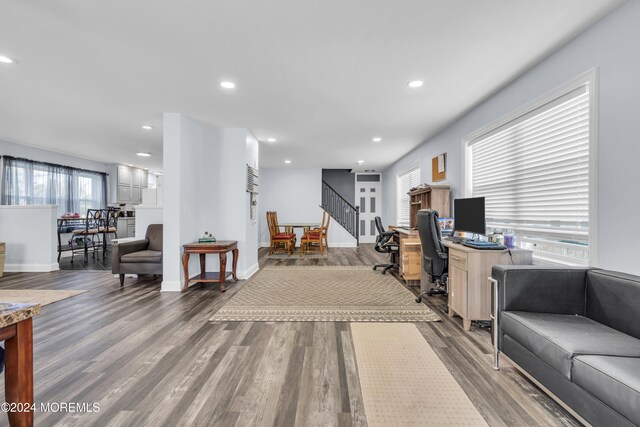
(140, 256)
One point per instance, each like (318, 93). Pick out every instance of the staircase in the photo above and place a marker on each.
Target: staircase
(341, 211)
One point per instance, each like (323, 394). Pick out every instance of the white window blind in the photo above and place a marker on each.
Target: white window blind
(534, 174)
(406, 181)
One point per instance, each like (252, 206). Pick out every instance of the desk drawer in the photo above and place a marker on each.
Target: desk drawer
(458, 259)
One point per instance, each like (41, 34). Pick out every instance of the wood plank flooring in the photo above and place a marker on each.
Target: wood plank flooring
(153, 358)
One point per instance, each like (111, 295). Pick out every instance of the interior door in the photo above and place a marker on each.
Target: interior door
(369, 199)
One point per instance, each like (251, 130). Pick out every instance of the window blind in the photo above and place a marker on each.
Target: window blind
(406, 181)
(534, 174)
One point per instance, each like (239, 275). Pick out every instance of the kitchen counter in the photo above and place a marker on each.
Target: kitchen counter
(14, 312)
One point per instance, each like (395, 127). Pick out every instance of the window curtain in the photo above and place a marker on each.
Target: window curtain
(28, 182)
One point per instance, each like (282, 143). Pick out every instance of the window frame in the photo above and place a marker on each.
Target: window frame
(417, 167)
(590, 78)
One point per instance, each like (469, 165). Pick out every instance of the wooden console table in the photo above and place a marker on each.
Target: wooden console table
(17, 332)
(221, 248)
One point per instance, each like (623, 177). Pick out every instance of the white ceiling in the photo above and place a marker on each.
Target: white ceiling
(323, 77)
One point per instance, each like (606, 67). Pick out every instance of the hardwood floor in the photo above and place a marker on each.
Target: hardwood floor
(153, 358)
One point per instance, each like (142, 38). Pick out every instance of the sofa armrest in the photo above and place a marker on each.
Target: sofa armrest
(540, 289)
(125, 248)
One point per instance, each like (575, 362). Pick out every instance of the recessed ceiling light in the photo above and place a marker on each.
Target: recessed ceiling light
(7, 60)
(147, 127)
(377, 139)
(287, 161)
(415, 83)
(143, 154)
(360, 162)
(271, 140)
(228, 85)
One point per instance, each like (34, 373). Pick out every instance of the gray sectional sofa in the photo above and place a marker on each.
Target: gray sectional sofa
(577, 332)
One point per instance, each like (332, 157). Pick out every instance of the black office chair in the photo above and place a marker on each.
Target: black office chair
(435, 256)
(385, 245)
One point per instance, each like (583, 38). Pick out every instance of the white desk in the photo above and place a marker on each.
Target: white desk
(469, 289)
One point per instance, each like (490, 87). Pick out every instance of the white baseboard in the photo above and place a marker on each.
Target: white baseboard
(31, 268)
(244, 275)
(171, 286)
(342, 245)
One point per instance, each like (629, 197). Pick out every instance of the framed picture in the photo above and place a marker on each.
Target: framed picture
(439, 168)
(446, 225)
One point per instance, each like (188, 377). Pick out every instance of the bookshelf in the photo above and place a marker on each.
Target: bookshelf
(431, 197)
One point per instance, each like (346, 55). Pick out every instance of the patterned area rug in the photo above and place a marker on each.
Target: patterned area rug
(323, 294)
(403, 381)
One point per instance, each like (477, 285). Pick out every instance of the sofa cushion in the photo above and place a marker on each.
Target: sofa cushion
(143, 256)
(614, 380)
(612, 299)
(557, 338)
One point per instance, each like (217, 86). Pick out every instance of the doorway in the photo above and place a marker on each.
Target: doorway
(369, 198)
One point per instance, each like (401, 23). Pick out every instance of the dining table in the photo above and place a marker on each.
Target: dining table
(306, 226)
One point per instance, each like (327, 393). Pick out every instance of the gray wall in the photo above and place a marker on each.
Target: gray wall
(343, 181)
(613, 47)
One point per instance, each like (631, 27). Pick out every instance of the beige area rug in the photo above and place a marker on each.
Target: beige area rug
(323, 294)
(403, 381)
(36, 296)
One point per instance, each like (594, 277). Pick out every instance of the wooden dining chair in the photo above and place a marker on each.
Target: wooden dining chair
(285, 240)
(316, 236)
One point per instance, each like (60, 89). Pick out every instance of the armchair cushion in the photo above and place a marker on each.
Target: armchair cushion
(142, 256)
(312, 235)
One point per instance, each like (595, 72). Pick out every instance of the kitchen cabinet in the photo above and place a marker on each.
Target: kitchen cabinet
(126, 227)
(129, 182)
(136, 195)
(124, 193)
(124, 175)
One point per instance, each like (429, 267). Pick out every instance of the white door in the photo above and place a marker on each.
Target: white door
(369, 199)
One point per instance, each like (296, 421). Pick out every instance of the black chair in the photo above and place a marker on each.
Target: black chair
(386, 245)
(435, 256)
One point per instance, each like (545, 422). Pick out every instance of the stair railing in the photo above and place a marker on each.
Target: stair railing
(347, 215)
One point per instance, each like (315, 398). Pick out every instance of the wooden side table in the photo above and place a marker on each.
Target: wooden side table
(221, 248)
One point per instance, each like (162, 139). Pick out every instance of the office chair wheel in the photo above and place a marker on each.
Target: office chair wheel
(418, 299)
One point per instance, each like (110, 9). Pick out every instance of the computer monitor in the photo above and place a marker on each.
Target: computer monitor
(469, 215)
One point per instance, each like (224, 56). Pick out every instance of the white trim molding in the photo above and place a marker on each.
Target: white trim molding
(246, 274)
(31, 268)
